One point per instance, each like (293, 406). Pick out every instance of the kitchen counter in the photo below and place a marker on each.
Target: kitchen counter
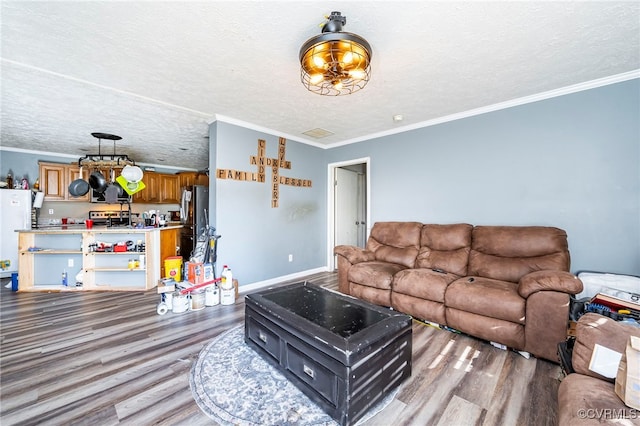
(48, 255)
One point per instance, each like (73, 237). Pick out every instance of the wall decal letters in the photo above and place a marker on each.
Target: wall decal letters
(260, 161)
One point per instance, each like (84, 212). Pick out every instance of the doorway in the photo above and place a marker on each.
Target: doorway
(348, 205)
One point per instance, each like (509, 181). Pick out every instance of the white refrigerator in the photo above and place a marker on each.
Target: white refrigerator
(15, 213)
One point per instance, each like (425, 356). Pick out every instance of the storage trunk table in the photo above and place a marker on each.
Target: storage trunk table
(345, 354)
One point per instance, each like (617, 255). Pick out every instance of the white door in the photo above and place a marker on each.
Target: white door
(346, 205)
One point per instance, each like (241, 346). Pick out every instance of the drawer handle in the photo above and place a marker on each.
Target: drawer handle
(262, 336)
(308, 371)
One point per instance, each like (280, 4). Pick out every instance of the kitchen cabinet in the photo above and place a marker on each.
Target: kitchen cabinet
(45, 254)
(169, 189)
(55, 179)
(192, 178)
(161, 188)
(52, 181)
(151, 192)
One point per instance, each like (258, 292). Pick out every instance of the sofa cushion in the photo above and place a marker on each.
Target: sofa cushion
(487, 297)
(395, 242)
(509, 252)
(374, 274)
(586, 400)
(419, 308)
(445, 247)
(370, 294)
(494, 330)
(423, 283)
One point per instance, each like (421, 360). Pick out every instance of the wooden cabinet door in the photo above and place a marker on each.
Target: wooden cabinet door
(151, 192)
(202, 179)
(169, 245)
(186, 179)
(193, 178)
(73, 173)
(169, 189)
(153, 187)
(53, 181)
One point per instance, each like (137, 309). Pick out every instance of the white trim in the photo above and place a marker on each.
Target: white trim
(618, 78)
(77, 157)
(260, 284)
(331, 205)
(257, 128)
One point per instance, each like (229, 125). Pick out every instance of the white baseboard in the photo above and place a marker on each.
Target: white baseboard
(261, 284)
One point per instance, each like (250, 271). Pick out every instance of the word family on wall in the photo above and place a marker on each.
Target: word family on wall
(262, 162)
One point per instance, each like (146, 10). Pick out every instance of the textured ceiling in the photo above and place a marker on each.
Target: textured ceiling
(157, 73)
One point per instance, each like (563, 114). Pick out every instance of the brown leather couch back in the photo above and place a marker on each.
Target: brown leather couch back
(593, 328)
(445, 247)
(510, 252)
(395, 242)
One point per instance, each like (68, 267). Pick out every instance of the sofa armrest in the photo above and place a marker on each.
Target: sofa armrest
(354, 254)
(594, 328)
(564, 282)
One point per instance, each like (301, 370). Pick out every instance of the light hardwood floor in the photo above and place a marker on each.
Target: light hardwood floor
(108, 358)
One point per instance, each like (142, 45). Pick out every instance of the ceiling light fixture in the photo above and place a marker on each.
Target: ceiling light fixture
(335, 62)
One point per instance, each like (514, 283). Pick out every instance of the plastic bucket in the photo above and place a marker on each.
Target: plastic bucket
(173, 268)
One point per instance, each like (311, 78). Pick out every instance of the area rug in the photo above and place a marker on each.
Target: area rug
(233, 385)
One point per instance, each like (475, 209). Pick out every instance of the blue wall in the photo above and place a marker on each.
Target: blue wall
(572, 161)
(256, 238)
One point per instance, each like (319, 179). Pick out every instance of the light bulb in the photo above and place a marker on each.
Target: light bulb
(316, 78)
(347, 58)
(356, 74)
(318, 61)
(337, 85)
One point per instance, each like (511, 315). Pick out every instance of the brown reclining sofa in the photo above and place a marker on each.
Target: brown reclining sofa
(506, 284)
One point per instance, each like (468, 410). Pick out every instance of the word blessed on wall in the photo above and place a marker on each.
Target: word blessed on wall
(262, 162)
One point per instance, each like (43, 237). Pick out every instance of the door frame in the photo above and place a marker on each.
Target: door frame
(331, 203)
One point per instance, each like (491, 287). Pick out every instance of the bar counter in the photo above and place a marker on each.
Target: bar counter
(101, 258)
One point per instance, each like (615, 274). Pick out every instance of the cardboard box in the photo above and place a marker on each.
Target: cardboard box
(166, 285)
(628, 379)
(208, 272)
(195, 272)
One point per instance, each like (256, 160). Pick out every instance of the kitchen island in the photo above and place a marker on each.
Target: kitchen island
(97, 259)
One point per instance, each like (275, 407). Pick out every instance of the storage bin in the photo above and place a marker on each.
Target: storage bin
(173, 268)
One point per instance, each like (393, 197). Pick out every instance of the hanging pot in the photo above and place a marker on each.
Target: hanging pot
(98, 182)
(79, 187)
(121, 193)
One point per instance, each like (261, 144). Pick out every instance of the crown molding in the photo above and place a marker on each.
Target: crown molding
(618, 78)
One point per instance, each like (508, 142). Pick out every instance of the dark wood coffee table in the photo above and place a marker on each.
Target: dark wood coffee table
(345, 354)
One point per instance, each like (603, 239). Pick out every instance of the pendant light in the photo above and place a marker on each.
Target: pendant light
(334, 62)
